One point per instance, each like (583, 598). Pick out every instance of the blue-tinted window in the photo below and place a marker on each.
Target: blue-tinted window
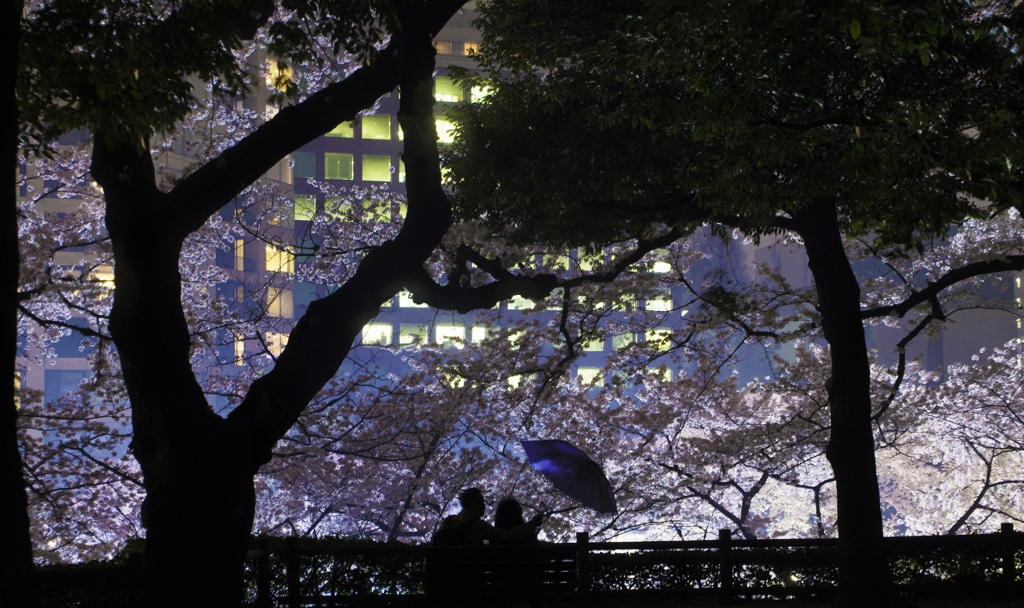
(58, 382)
(305, 164)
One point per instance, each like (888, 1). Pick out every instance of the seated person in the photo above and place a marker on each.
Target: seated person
(509, 515)
(468, 529)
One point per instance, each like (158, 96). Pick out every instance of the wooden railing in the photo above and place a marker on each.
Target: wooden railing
(299, 573)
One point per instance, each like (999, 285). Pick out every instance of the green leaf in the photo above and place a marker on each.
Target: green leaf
(855, 29)
(926, 57)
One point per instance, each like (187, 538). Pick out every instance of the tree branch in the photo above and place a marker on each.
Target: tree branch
(1007, 264)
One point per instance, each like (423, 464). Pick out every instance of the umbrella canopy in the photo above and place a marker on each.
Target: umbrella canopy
(572, 472)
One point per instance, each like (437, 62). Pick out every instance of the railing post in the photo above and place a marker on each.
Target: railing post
(292, 570)
(1008, 550)
(582, 566)
(263, 598)
(725, 591)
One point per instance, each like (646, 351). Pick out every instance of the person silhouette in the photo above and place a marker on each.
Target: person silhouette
(464, 579)
(467, 528)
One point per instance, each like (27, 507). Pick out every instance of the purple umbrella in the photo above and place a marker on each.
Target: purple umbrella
(572, 472)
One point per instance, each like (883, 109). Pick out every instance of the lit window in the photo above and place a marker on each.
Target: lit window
(405, 301)
(450, 334)
(1016, 282)
(625, 303)
(445, 89)
(279, 260)
(376, 168)
(401, 133)
(588, 262)
(594, 346)
(338, 208)
(412, 333)
(343, 130)
(17, 390)
(239, 349)
(401, 172)
(377, 126)
(591, 376)
(278, 76)
(305, 208)
(470, 48)
(478, 334)
(1018, 324)
(239, 254)
(662, 304)
(659, 338)
(445, 131)
(276, 342)
(479, 94)
(515, 381)
(376, 211)
(520, 303)
(662, 373)
(377, 334)
(279, 302)
(622, 341)
(1018, 303)
(443, 47)
(338, 166)
(555, 263)
(453, 379)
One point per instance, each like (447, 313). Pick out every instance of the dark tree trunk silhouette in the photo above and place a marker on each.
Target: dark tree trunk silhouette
(864, 575)
(15, 543)
(198, 467)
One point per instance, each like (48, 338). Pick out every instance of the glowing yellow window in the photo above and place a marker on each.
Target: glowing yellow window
(378, 334)
(591, 376)
(376, 211)
(660, 304)
(401, 172)
(520, 303)
(449, 334)
(445, 131)
(343, 130)
(594, 346)
(280, 302)
(305, 208)
(239, 349)
(405, 301)
(239, 254)
(412, 333)
(659, 338)
(276, 342)
(445, 89)
(478, 334)
(376, 168)
(479, 94)
(338, 208)
(338, 166)
(622, 341)
(444, 47)
(278, 75)
(279, 260)
(470, 48)
(377, 126)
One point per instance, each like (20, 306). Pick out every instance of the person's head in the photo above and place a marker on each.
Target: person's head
(509, 514)
(472, 501)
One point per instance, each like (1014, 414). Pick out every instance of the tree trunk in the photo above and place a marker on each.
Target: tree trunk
(16, 588)
(198, 467)
(864, 575)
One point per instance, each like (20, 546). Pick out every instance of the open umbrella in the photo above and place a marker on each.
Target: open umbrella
(572, 472)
